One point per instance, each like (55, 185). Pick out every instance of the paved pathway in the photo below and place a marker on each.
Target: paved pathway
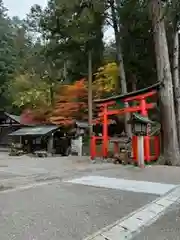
(63, 211)
(165, 228)
(68, 198)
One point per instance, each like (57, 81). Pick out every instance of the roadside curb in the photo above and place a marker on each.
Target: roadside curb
(132, 224)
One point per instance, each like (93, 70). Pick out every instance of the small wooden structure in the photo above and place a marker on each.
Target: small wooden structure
(122, 149)
(8, 124)
(117, 105)
(36, 138)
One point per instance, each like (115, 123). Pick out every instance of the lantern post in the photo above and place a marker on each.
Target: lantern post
(140, 125)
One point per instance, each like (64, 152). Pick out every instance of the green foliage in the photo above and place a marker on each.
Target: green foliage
(7, 54)
(71, 30)
(29, 91)
(50, 47)
(172, 10)
(137, 43)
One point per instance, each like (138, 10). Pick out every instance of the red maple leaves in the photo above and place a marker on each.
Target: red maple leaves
(70, 104)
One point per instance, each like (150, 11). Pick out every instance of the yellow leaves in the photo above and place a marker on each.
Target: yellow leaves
(106, 79)
(29, 90)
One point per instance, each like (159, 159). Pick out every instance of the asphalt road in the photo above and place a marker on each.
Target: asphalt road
(63, 211)
(51, 209)
(58, 210)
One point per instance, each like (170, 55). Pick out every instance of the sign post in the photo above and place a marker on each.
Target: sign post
(80, 153)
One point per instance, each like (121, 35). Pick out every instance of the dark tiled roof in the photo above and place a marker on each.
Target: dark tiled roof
(13, 117)
(35, 131)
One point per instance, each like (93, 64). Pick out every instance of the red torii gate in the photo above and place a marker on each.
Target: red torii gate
(139, 96)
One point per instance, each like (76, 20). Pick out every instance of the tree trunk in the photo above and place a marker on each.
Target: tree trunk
(134, 88)
(90, 100)
(65, 71)
(171, 148)
(133, 80)
(51, 94)
(176, 80)
(120, 62)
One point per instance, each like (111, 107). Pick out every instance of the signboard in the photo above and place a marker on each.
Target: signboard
(76, 145)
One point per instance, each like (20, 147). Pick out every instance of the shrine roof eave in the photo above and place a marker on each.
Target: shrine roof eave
(155, 86)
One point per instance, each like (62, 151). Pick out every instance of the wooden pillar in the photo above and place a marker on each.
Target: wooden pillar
(50, 145)
(105, 132)
(93, 147)
(134, 148)
(90, 104)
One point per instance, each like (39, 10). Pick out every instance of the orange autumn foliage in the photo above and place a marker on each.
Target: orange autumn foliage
(70, 104)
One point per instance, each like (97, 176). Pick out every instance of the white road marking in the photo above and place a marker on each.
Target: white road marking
(128, 227)
(124, 184)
